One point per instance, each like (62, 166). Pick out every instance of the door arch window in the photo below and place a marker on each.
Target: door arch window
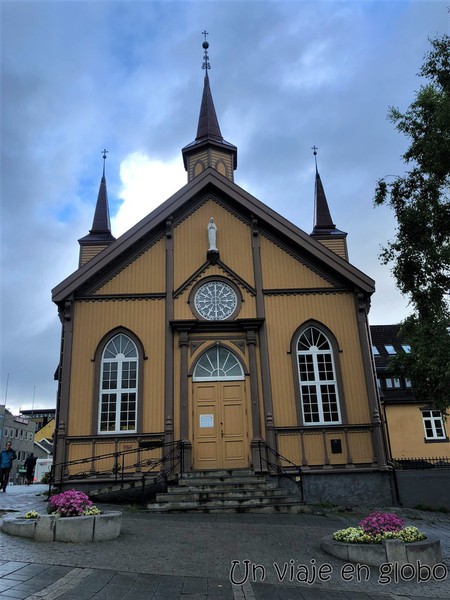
(118, 386)
(218, 364)
(317, 378)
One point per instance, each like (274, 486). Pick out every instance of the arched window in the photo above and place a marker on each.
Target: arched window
(118, 386)
(317, 378)
(219, 364)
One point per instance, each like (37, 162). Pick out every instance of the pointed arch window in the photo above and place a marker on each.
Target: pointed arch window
(118, 386)
(218, 364)
(317, 378)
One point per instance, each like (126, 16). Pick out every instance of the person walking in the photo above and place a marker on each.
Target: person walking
(29, 464)
(6, 457)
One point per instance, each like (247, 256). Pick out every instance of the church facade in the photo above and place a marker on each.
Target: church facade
(216, 325)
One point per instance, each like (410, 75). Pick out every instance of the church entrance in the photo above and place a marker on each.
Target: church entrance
(220, 420)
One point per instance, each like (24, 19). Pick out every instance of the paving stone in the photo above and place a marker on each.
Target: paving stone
(14, 594)
(195, 585)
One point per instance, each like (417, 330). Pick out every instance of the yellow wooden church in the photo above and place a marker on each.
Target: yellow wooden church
(217, 327)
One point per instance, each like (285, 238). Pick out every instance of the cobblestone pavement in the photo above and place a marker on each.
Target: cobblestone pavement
(190, 557)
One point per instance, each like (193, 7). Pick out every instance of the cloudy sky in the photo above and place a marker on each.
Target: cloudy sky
(78, 76)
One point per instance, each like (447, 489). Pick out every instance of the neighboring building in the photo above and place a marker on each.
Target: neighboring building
(20, 432)
(47, 431)
(216, 322)
(40, 416)
(414, 430)
(43, 448)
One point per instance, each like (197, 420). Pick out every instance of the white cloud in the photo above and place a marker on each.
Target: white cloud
(146, 183)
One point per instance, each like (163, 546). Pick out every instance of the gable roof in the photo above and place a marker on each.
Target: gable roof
(212, 182)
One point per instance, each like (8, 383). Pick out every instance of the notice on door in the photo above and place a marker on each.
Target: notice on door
(206, 420)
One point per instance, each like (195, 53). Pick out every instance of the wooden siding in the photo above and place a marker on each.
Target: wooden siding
(357, 448)
(407, 434)
(88, 252)
(190, 239)
(338, 246)
(210, 158)
(93, 321)
(280, 270)
(195, 159)
(146, 274)
(337, 312)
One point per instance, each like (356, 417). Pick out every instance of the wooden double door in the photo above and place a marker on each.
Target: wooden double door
(220, 425)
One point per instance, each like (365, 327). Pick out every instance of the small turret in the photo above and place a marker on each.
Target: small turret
(99, 237)
(325, 231)
(209, 149)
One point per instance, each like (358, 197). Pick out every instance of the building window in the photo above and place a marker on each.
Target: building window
(375, 351)
(406, 348)
(218, 364)
(397, 383)
(390, 349)
(408, 383)
(119, 386)
(389, 383)
(317, 378)
(6, 432)
(433, 425)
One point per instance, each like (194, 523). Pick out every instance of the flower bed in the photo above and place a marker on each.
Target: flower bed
(383, 538)
(72, 518)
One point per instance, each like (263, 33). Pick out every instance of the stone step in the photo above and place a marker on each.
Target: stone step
(290, 504)
(224, 487)
(180, 495)
(218, 481)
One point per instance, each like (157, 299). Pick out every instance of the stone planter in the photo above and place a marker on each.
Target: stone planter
(49, 528)
(428, 551)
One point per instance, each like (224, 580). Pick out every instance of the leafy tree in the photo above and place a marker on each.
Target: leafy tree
(420, 253)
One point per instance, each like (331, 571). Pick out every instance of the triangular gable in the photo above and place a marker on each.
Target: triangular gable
(209, 183)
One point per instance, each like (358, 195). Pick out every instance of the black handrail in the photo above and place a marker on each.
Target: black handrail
(275, 466)
(119, 467)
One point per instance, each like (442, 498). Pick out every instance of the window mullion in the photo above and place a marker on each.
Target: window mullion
(317, 384)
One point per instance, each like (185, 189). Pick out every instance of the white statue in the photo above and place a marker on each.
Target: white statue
(212, 234)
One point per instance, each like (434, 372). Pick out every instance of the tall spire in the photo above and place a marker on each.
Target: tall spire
(322, 216)
(101, 224)
(325, 231)
(99, 236)
(208, 124)
(209, 149)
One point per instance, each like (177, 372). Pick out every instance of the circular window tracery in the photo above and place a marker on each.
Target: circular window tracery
(215, 300)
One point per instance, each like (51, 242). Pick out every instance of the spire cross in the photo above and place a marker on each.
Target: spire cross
(104, 153)
(314, 149)
(205, 45)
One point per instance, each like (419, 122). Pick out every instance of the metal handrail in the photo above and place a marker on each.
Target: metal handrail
(119, 467)
(296, 478)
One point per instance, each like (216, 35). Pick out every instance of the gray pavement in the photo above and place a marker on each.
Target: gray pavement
(205, 557)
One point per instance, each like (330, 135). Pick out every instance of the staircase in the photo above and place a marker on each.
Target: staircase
(226, 491)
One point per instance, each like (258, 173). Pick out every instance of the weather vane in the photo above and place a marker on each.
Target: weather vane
(104, 153)
(314, 149)
(205, 45)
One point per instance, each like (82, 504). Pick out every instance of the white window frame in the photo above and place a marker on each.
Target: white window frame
(212, 358)
(120, 362)
(315, 387)
(436, 423)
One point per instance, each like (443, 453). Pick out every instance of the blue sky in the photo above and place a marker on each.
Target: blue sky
(80, 76)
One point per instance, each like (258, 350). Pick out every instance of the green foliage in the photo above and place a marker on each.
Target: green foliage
(420, 253)
(356, 535)
(31, 514)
